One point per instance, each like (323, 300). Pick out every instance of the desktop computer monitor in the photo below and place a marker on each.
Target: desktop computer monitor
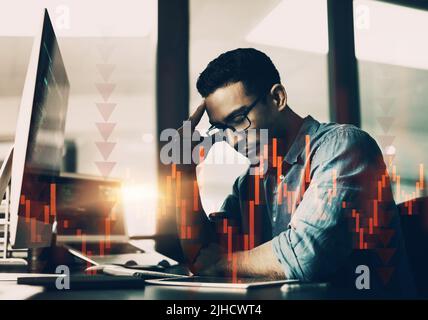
(39, 143)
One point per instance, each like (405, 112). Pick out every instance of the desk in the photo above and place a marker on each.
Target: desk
(11, 290)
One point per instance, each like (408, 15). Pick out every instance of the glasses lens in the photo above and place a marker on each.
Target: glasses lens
(244, 125)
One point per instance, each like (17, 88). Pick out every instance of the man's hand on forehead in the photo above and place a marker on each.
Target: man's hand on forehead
(197, 115)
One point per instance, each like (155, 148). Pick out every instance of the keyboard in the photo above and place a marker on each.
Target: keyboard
(85, 281)
(114, 277)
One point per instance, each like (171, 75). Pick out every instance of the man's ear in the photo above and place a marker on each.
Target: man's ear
(279, 96)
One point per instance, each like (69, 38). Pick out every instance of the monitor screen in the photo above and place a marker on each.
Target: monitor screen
(39, 143)
(89, 208)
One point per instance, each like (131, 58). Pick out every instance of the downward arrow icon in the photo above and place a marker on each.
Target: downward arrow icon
(106, 109)
(105, 70)
(105, 89)
(105, 148)
(385, 274)
(105, 129)
(105, 167)
(385, 254)
(385, 123)
(105, 50)
(385, 235)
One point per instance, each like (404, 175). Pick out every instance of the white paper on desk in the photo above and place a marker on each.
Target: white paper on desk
(15, 276)
(14, 291)
(300, 286)
(114, 270)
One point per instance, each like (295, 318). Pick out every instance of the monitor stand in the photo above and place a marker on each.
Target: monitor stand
(6, 173)
(6, 259)
(8, 262)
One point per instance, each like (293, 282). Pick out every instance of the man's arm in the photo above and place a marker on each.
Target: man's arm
(188, 216)
(258, 262)
(201, 229)
(320, 240)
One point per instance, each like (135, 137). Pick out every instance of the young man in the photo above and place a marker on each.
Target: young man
(324, 207)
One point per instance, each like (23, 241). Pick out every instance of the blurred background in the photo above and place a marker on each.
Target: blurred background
(134, 63)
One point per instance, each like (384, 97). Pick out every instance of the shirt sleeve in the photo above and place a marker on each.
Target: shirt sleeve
(318, 240)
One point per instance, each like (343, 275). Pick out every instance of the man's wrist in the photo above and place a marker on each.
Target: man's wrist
(225, 266)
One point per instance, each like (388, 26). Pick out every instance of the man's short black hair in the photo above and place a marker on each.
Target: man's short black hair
(254, 68)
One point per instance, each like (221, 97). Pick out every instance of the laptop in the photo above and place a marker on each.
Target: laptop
(91, 222)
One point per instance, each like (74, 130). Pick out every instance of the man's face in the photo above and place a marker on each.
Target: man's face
(228, 106)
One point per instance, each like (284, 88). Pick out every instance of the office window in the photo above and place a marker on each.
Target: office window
(292, 32)
(393, 77)
(109, 51)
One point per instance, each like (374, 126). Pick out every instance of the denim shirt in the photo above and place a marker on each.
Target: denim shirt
(328, 211)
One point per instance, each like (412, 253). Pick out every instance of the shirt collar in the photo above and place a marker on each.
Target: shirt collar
(309, 127)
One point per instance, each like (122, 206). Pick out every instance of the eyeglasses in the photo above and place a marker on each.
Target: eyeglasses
(238, 123)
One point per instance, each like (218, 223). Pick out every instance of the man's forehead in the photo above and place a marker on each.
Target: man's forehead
(225, 100)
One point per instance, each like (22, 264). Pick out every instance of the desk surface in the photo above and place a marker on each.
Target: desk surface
(11, 290)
